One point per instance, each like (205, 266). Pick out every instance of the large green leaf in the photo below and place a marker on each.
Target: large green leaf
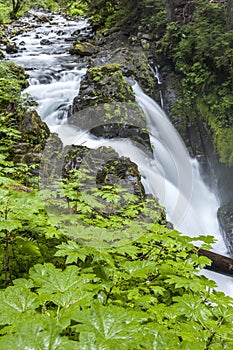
(14, 302)
(39, 333)
(106, 328)
(51, 280)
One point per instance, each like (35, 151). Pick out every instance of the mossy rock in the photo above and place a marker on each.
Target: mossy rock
(133, 62)
(120, 170)
(83, 49)
(34, 130)
(106, 106)
(104, 167)
(12, 80)
(11, 47)
(103, 84)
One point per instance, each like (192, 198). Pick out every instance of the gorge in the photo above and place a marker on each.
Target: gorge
(168, 172)
(109, 236)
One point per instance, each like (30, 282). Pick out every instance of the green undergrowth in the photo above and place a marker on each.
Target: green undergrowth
(7, 14)
(201, 51)
(92, 275)
(84, 290)
(12, 81)
(4, 12)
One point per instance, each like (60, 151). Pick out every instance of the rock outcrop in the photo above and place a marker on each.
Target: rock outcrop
(107, 108)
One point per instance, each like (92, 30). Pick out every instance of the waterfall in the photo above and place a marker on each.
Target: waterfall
(171, 175)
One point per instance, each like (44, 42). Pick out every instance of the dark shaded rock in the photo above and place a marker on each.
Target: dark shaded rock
(116, 170)
(103, 174)
(103, 167)
(1, 55)
(45, 42)
(119, 130)
(76, 32)
(224, 175)
(225, 217)
(42, 18)
(11, 47)
(34, 130)
(133, 63)
(34, 134)
(83, 49)
(181, 11)
(51, 161)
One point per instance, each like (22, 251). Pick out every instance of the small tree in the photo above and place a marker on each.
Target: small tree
(16, 7)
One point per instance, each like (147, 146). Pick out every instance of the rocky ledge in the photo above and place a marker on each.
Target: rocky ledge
(107, 108)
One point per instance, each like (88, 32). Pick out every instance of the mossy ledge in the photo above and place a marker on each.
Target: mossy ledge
(106, 106)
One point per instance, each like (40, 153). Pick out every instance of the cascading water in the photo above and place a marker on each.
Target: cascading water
(54, 75)
(172, 175)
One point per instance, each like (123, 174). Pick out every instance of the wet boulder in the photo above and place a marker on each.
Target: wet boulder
(33, 129)
(122, 171)
(11, 47)
(45, 42)
(109, 184)
(51, 161)
(83, 49)
(225, 218)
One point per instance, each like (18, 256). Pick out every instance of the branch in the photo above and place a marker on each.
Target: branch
(220, 263)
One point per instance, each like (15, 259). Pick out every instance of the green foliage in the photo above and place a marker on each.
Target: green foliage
(4, 12)
(23, 226)
(202, 53)
(153, 17)
(88, 294)
(12, 81)
(103, 297)
(78, 8)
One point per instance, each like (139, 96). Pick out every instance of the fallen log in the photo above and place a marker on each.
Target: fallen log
(220, 263)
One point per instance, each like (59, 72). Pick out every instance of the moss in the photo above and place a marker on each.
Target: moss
(12, 80)
(110, 84)
(79, 47)
(83, 49)
(22, 133)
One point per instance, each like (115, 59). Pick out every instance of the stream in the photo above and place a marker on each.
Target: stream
(172, 176)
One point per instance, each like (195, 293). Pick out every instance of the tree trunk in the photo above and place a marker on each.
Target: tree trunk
(229, 14)
(220, 263)
(170, 8)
